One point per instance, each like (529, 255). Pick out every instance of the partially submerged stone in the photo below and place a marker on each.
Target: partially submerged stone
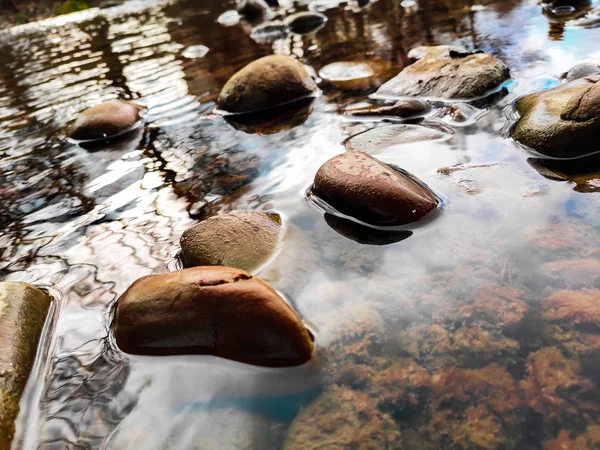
(387, 136)
(267, 33)
(360, 186)
(581, 70)
(106, 120)
(343, 419)
(404, 109)
(562, 122)
(583, 172)
(306, 22)
(355, 75)
(23, 311)
(447, 72)
(365, 235)
(218, 311)
(245, 240)
(264, 83)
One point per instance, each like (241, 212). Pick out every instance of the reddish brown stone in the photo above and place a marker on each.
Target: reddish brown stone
(105, 120)
(219, 311)
(361, 186)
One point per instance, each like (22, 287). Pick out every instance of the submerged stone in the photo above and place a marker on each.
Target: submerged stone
(562, 122)
(404, 109)
(387, 136)
(447, 72)
(218, 311)
(105, 120)
(252, 9)
(269, 32)
(23, 311)
(355, 75)
(343, 419)
(264, 83)
(360, 186)
(245, 240)
(306, 22)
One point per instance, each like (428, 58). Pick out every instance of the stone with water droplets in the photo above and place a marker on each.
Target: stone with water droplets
(562, 122)
(106, 120)
(447, 72)
(264, 83)
(369, 190)
(245, 240)
(218, 311)
(23, 311)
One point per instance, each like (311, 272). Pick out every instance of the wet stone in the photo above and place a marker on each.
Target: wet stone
(106, 120)
(360, 186)
(388, 136)
(269, 32)
(404, 109)
(252, 9)
(23, 311)
(264, 83)
(562, 122)
(448, 73)
(218, 311)
(306, 22)
(355, 75)
(245, 240)
(580, 71)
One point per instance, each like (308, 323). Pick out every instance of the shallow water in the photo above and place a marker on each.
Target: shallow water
(461, 293)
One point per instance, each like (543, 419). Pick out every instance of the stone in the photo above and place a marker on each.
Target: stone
(220, 311)
(245, 240)
(448, 73)
(264, 83)
(342, 418)
(269, 32)
(562, 122)
(360, 186)
(252, 9)
(23, 311)
(581, 70)
(404, 109)
(306, 22)
(356, 75)
(387, 136)
(106, 120)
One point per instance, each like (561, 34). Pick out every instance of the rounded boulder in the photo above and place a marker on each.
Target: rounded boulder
(264, 83)
(363, 187)
(220, 311)
(245, 240)
(106, 120)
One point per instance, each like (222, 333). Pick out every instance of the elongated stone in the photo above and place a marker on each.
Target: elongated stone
(218, 311)
(360, 186)
(105, 120)
(23, 311)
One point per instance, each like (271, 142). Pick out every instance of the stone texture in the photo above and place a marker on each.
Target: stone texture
(245, 240)
(356, 75)
(218, 311)
(105, 120)
(23, 311)
(380, 138)
(562, 122)
(404, 109)
(264, 83)
(447, 72)
(360, 186)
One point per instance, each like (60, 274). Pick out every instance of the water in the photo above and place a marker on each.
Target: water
(471, 300)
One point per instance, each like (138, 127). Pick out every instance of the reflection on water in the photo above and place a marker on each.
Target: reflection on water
(466, 312)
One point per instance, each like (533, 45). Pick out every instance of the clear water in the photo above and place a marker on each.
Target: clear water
(467, 291)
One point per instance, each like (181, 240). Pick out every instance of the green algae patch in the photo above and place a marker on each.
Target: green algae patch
(71, 6)
(23, 311)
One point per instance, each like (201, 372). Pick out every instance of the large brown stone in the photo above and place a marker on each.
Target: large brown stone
(245, 240)
(563, 122)
(360, 186)
(447, 72)
(105, 120)
(264, 83)
(23, 311)
(218, 311)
